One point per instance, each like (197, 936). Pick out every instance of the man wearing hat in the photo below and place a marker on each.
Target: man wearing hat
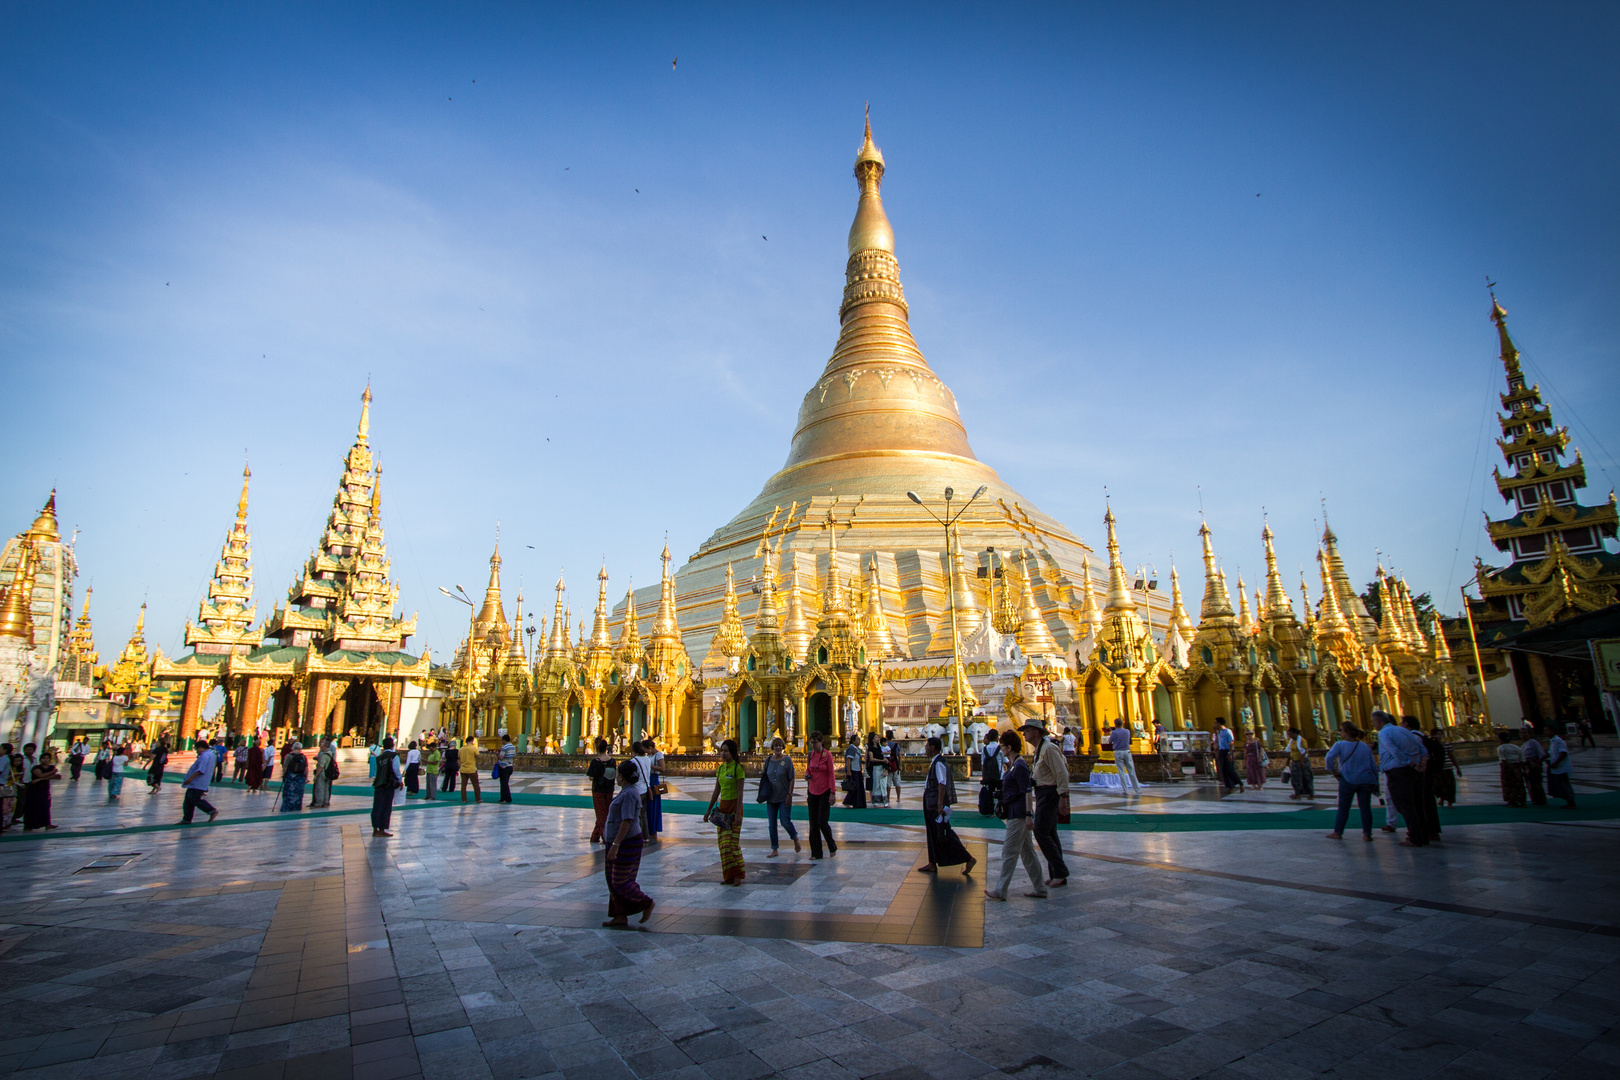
(1051, 781)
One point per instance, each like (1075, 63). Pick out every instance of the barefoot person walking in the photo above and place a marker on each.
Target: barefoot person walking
(727, 799)
(625, 842)
(939, 793)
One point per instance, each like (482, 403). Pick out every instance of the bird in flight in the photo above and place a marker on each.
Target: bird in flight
(762, 236)
(638, 191)
(673, 62)
(529, 546)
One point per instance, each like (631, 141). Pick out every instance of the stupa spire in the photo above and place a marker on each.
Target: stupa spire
(877, 396)
(1245, 620)
(664, 628)
(1510, 352)
(880, 643)
(1179, 619)
(1217, 604)
(1090, 616)
(1277, 602)
(730, 640)
(599, 625)
(1119, 593)
(226, 613)
(1034, 636)
(628, 653)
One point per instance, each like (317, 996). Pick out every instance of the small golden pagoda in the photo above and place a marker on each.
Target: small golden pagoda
(80, 664)
(130, 680)
(330, 660)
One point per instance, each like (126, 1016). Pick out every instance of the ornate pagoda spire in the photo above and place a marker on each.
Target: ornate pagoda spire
(132, 673)
(1305, 601)
(600, 639)
(1355, 612)
(1217, 603)
(1090, 616)
(1179, 619)
(226, 614)
(880, 643)
(1277, 603)
(1119, 594)
(491, 622)
(628, 653)
(877, 396)
(81, 640)
(1034, 636)
(1245, 620)
(365, 618)
(16, 613)
(45, 525)
(557, 643)
(730, 640)
(514, 642)
(796, 632)
(1437, 639)
(1560, 565)
(1390, 637)
(834, 597)
(1510, 352)
(969, 614)
(1410, 630)
(664, 627)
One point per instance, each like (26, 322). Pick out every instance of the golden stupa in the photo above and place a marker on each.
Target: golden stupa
(876, 424)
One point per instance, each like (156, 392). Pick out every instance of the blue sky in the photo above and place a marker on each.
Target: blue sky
(1152, 247)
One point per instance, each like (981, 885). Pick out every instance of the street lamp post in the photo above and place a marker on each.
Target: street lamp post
(460, 595)
(959, 683)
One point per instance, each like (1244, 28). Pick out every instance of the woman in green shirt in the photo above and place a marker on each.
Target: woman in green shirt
(728, 789)
(432, 759)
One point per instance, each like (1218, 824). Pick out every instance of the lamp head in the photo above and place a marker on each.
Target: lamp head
(982, 489)
(950, 493)
(912, 495)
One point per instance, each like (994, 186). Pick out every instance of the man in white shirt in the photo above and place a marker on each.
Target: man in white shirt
(1120, 741)
(1559, 784)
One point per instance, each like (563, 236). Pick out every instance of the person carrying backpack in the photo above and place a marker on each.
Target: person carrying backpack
(389, 776)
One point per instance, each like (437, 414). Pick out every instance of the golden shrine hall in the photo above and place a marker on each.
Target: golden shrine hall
(837, 602)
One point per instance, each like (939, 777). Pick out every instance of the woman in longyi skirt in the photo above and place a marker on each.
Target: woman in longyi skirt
(727, 799)
(625, 841)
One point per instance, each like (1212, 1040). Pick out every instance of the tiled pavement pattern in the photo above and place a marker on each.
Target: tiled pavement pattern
(227, 951)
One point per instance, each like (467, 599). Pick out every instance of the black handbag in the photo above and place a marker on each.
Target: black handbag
(987, 802)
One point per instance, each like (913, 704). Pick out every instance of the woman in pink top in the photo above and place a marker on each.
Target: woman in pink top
(818, 778)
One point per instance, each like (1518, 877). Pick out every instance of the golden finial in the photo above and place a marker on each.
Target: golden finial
(1119, 594)
(365, 415)
(1510, 353)
(871, 230)
(140, 621)
(44, 526)
(242, 503)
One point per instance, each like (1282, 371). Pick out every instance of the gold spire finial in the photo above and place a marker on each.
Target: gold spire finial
(1245, 621)
(140, 621)
(242, 503)
(1277, 602)
(44, 527)
(1217, 603)
(1119, 594)
(365, 415)
(1510, 353)
(871, 230)
(600, 640)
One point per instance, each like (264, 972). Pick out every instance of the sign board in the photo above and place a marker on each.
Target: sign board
(1607, 654)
